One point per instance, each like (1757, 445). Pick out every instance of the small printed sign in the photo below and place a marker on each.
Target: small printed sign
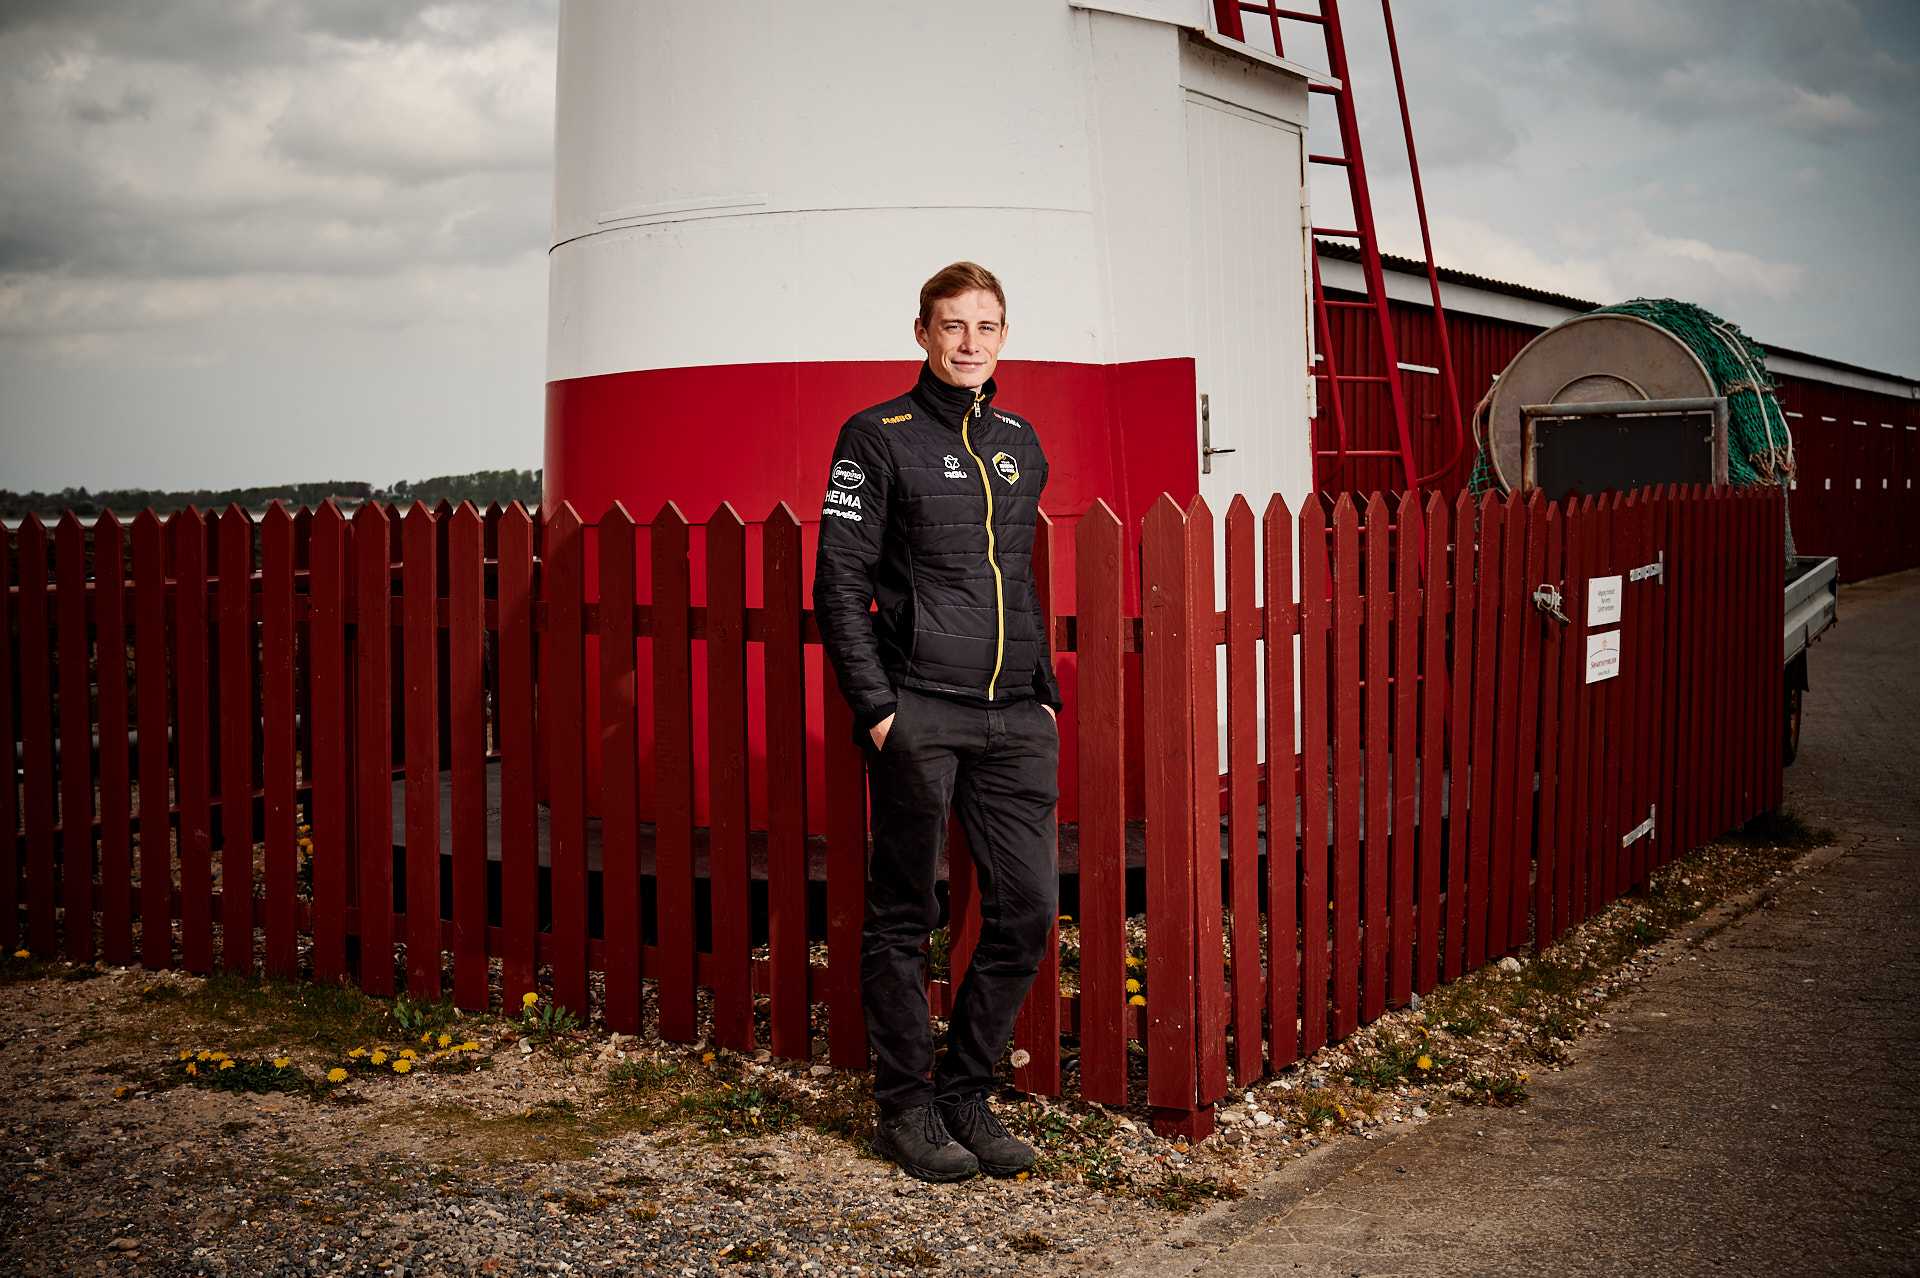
(1603, 655)
(1603, 601)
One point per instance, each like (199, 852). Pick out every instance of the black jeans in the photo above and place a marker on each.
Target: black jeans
(996, 768)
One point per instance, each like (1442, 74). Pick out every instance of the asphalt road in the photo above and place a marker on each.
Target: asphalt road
(1755, 1107)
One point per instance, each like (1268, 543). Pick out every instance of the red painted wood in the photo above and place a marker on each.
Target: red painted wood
(1644, 596)
(466, 753)
(279, 780)
(372, 745)
(1605, 762)
(1280, 613)
(1378, 693)
(421, 670)
(1533, 684)
(36, 734)
(1348, 671)
(116, 813)
(846, 799)
(1486, 701)
(673, 772)
(1551, 528)
(1776, 536)
(1435, 688)
(1210, 978)
(1243, 795)
(1099, 551)
(235, 660)
(1516, 708)
(1406, 687)
(563, 732)
(11, 865)
(189, 533)
(1626, 718)
(73, 677)
(1173, 1074)
(1315, 624)
(514, 727)
(1466, 563)
(1725, 670)
(727, 777)
(329, 698)
(620, 875)
(786, 785)
(1037, 1028)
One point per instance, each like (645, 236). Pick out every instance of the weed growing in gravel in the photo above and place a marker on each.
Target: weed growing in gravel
(220, 1072)
(1395, 1060)
(1178, 1191)
(1494, 1089)
(548, 1024)
(729, 1110)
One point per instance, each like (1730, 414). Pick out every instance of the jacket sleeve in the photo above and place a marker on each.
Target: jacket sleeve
(1046, 687)
(853, 525)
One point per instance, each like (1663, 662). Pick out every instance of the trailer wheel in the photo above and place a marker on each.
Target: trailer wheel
(1790, 724)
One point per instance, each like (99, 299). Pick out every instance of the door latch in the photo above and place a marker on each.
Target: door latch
(1207, 450)
(1547, 599)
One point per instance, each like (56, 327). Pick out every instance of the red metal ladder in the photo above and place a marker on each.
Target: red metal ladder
(1330, 461)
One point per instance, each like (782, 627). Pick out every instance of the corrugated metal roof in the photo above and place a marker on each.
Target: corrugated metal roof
(1342, 252)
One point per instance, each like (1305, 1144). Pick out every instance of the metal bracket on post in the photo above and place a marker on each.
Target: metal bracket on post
(1656, 570)
(1547, 598)
(1639, 831)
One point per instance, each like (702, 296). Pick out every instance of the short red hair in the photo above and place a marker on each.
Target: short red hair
(961, 277)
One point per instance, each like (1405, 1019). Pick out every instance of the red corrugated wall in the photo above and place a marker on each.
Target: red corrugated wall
(1858, 450)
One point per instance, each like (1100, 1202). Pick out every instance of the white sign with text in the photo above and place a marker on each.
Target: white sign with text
(1603, 655)
(1603, 601)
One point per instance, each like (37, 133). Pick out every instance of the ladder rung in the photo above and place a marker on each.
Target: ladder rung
(1336, 232)
(1358, 452)
(1340, 160)
(1328, 89)
(1294, 15)
(1343, 304)
(1379, 378)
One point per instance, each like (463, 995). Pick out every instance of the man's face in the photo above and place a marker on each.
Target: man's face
(963, 338)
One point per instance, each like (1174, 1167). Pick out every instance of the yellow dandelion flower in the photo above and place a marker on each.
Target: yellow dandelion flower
(529, 999)
(1425, 1062)
(409, 1053)
(336, 1075)
(281, 1062)
(220, 1056)
(706, 1058)
(119, 1092)
(204, 1055)
(469, 1046)
(426, 1036)
(1134, 960)
(444, 1039)
(1133, 986)
(193, 1067)
(21, 954)
(1066, 918)
(1340, 1110)
(402, 1065)
(1138, 1000)
(378, 1058)
(226, 1064)
(186, 1053)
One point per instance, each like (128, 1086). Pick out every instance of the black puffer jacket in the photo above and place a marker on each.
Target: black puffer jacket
(906, 522)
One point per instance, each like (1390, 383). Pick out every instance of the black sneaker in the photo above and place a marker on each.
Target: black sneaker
(918, 1141)
(973, 1124)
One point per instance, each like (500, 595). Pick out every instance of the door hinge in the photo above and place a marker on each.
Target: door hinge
(1657, 570)
(1639, 831)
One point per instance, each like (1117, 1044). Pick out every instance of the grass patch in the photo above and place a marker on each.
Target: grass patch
(1494, 1089)
(1781, 829)
(256, 1014)
(1182, 1193)
(731, 1109)
(547, 1132)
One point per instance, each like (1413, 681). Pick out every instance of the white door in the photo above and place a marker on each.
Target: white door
(1251, 292)
(1250, 297)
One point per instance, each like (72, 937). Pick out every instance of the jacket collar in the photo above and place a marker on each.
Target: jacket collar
(947, 404)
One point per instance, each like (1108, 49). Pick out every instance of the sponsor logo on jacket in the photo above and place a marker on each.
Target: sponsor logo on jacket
(896, 419)
(847, 474)
(1007, 468)
(953, 467)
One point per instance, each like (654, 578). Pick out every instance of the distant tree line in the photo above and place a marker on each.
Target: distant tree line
(480, 487)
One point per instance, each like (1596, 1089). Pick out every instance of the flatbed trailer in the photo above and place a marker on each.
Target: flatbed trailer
(1812, 606)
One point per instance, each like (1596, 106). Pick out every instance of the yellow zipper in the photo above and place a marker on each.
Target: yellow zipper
(999, 582)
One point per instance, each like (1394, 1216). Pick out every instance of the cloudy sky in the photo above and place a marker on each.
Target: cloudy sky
(256, 241)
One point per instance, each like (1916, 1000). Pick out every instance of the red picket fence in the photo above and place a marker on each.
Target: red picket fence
(1456, 786)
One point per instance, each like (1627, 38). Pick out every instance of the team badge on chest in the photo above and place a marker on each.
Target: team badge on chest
(1007, 468)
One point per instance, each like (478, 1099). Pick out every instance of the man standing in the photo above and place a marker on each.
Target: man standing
(929, 511)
